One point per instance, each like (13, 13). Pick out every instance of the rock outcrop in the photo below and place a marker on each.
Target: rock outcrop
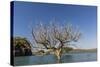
(22, 47)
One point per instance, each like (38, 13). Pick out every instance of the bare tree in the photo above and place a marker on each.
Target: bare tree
(50, 35)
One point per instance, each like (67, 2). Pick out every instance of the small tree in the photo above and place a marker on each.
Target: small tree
(53, 37)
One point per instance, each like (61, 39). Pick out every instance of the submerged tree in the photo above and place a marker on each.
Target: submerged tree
(54, 37)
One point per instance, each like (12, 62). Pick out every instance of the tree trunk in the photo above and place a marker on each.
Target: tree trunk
(58, 53)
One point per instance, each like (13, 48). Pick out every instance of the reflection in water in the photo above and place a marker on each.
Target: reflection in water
(51, 59)
(66, 58)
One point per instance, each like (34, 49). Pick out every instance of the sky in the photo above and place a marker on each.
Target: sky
(29, 14)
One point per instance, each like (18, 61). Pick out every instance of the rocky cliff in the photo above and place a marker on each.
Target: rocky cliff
(22, 47)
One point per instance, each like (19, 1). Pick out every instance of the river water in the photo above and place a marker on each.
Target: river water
(51, 59)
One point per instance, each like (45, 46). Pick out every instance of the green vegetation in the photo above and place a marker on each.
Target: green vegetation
(83, 50)
(22, 47)
(66, 49)
(43, 52)
(54, 39)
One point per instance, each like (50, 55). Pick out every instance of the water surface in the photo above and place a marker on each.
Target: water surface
(51, 59)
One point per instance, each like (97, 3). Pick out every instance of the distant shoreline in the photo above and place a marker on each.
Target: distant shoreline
(72, 52)
(83, 50)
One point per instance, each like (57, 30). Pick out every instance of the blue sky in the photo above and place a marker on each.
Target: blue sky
(28, 15)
